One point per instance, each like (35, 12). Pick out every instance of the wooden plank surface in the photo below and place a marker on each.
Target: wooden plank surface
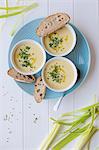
(10, 96)
(19, 128)
(35, 130)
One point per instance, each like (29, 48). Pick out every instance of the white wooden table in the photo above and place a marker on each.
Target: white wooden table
(19, 129)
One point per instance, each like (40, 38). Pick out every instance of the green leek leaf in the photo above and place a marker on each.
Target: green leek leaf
(82, 109)
(74, 128)
(13, 8)
(28, 8)
(85, 137)
(67, 139)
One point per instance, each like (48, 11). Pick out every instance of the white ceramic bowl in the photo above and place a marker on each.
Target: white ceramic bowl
(13, 52)
(74, 69)
(72, 47)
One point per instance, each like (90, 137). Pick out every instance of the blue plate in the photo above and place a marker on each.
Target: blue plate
(80, 56)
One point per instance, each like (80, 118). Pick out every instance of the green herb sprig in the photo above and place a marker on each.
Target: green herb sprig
(55, 41)
(24, 55)
(55, 74)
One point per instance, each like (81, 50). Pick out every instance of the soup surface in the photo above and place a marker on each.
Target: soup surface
(28, 57)
(58, 74)
(59, 42)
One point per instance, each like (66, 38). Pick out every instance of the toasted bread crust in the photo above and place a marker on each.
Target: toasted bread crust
(20, 77)
(39, 90)
(52, 23)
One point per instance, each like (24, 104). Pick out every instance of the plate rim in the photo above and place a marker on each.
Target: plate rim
(89, 56)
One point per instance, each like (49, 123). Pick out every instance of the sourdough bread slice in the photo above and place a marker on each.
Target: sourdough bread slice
(20, 77)
(52, 23)
(39, 90)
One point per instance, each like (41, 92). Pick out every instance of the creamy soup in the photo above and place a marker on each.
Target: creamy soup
(60, 41)
(28, 57)
(58, 74)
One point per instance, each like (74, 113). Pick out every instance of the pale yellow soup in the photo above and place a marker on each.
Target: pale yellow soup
(58, 74)
(28, 57)
(59, 42)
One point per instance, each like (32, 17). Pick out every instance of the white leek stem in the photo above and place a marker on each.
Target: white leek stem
(46, 143)
(85, 137)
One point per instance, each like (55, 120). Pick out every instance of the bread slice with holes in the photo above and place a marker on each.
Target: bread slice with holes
(52, 23)
(39, 90)
(20, 77)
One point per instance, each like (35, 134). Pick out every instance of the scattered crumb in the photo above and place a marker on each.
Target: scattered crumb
(29, 107)
(11, 115)
(10, 132)
(11, 99)
(35, 118)
(8, 117)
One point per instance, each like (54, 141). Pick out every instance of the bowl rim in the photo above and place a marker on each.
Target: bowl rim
(13, 51)
(75, 74)
(69, 26)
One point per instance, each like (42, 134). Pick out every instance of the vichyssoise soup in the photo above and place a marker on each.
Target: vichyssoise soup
(61, 41)
(58, 74)
(28, 57)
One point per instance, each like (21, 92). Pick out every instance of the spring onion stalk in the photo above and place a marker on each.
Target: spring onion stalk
(88, 133)
(85, 137)
(46, 143)
(93, 117)
(28, 8)
(67, 139)
(7, 7)
(74, 124)
(82, 126)
(77, 123)
(60, 144)
(61, 122)
(82, 109)
(86, 147)
(72, 131)
(13, 8)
